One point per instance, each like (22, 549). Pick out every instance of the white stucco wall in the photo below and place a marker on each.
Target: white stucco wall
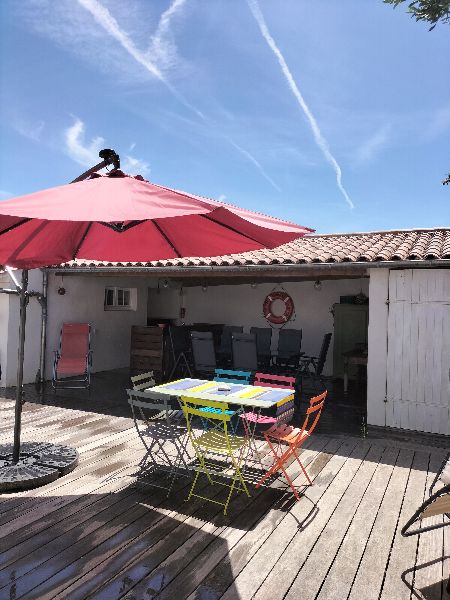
(242, 305)
(83, 302)
(4, 319)
(377, 346)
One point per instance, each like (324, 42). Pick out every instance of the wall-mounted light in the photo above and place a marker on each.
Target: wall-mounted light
(165, 283)
(253, 284)
(318, 285)
(204, 288)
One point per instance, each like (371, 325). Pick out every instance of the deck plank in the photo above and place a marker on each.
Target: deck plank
(345, 565)
(347, 461)
(403, 551)
(428, 577)
(370, 575)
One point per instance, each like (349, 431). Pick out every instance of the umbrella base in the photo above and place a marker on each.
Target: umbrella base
(39, 463)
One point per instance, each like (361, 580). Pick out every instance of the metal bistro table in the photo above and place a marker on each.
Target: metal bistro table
(250, 396)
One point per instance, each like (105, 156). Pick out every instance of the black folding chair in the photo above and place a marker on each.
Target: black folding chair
(289, 349)
(224, 348)
(203, 353)
(181, 351)
(312, 366)
(263, 344)
(244, 351)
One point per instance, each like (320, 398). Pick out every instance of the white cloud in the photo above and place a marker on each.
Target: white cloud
(32, 131)
(134, 166)
(318, 137)
(372, 146)
(86, 153)
(439, 123)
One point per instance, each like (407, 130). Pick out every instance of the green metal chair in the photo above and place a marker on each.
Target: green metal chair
(217, 441)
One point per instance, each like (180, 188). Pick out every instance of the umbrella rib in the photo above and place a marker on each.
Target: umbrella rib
(249, 237)
(83, 237)
(174, 248)
(22, 222)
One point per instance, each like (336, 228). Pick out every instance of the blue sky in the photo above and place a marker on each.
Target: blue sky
(332, 114)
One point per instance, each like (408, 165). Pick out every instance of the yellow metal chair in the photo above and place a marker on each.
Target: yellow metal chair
(216, 441)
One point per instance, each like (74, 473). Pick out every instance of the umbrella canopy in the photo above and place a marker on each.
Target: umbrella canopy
(120, 218)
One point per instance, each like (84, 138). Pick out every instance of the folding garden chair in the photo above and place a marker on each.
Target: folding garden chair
(217, 441)
(244, 351)
(438, 503)
(163, 433)
(203, 352)
(74, 357)
(263, 344)
(289, 348)
(284, 410)
(228, 376)
(278, 436)
(224, 348)
(143, 381)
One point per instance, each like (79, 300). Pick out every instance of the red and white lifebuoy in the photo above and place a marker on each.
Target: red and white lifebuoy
(288, 308)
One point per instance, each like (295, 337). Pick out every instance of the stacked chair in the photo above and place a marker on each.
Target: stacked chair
(203, 352)
(263, 345)
(289, 350)
(156, 423)
(244, 351)
(224, 348)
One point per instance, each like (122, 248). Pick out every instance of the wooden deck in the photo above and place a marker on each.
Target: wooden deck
(92, 535)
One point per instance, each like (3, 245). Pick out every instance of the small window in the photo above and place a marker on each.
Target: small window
(120, 298)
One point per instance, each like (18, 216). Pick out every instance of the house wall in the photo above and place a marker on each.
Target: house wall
(242, 305)
(4, 319)
(82, 302)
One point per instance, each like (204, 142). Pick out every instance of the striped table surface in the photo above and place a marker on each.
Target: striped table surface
(232, 393)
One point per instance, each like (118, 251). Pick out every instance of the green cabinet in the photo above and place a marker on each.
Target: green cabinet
(350, 331)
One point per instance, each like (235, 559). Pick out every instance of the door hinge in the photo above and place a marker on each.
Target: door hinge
(385, 399)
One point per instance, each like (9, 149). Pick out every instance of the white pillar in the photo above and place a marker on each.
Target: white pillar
(377, 346)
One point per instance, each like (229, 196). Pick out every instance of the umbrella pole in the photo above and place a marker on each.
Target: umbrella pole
(23, 297)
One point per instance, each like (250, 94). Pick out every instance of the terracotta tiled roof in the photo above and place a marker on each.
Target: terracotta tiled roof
(376, 246)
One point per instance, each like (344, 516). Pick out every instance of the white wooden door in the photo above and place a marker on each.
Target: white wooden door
(418, 364)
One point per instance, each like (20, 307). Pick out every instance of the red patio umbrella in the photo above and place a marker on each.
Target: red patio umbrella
(118, 218)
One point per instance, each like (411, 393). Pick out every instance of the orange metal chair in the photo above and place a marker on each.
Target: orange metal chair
(278, 436)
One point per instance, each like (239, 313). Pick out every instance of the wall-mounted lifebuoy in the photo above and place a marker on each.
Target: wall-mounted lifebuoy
(288, 308)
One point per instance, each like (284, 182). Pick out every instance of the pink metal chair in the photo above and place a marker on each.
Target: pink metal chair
(284, 412)
(73, 358)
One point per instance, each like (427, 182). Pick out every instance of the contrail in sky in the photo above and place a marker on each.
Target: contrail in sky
(105, 19)
(255, 162)
(318, 137)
